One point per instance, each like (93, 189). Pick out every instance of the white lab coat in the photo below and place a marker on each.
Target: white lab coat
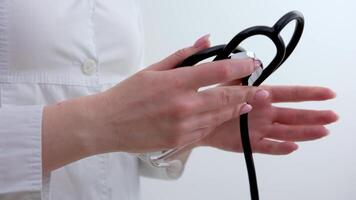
(55, 50)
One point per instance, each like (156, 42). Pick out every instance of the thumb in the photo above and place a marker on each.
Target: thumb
(176, 58)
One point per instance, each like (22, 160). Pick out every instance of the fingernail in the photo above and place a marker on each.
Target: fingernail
(261, 95)
(257, 64)
(246, 108)
(202, 41)
(327, 132)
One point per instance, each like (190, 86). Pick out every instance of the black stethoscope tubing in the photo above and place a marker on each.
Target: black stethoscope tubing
(282, 53)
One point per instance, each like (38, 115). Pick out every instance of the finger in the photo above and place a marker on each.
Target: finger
(303, 117)
(218, 97)
(233, 82)
(273, 147)
(298, 93)
(176, 58)
(215, 72)
(217, 117)
(296, 133)
(239, 81)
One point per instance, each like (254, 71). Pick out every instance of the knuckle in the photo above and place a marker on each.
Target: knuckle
(142, 75)
(224, 97)
(249, 94)
(305, 130)
(249, 67)
(146, 77)
(182, 53)
(178, 82)
(245, 67)
(224, 72)
(182, 109)
(173, 80)
(179, 127)
(213, 119)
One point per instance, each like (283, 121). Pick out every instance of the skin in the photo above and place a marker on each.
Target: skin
(160, 107)
(284, 126)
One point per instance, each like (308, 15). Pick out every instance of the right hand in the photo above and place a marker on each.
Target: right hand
(160, 107)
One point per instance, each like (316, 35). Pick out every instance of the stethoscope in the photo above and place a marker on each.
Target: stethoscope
(227, 52)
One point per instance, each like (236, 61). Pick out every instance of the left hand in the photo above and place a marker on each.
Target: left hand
(274, 130)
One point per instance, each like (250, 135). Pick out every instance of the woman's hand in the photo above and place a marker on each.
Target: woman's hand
(274, 130)
(155, 109)
(160, 108)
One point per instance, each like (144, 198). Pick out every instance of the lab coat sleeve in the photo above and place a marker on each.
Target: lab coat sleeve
(20, 154)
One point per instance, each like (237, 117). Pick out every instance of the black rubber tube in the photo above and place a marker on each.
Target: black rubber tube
(283, 52)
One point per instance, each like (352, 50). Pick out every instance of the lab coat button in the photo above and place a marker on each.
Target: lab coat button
(89, 67)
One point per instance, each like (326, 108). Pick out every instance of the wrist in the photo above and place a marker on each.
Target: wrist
(74, 129)
(98, 127)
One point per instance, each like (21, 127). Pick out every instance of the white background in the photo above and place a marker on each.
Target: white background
(326, 56)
